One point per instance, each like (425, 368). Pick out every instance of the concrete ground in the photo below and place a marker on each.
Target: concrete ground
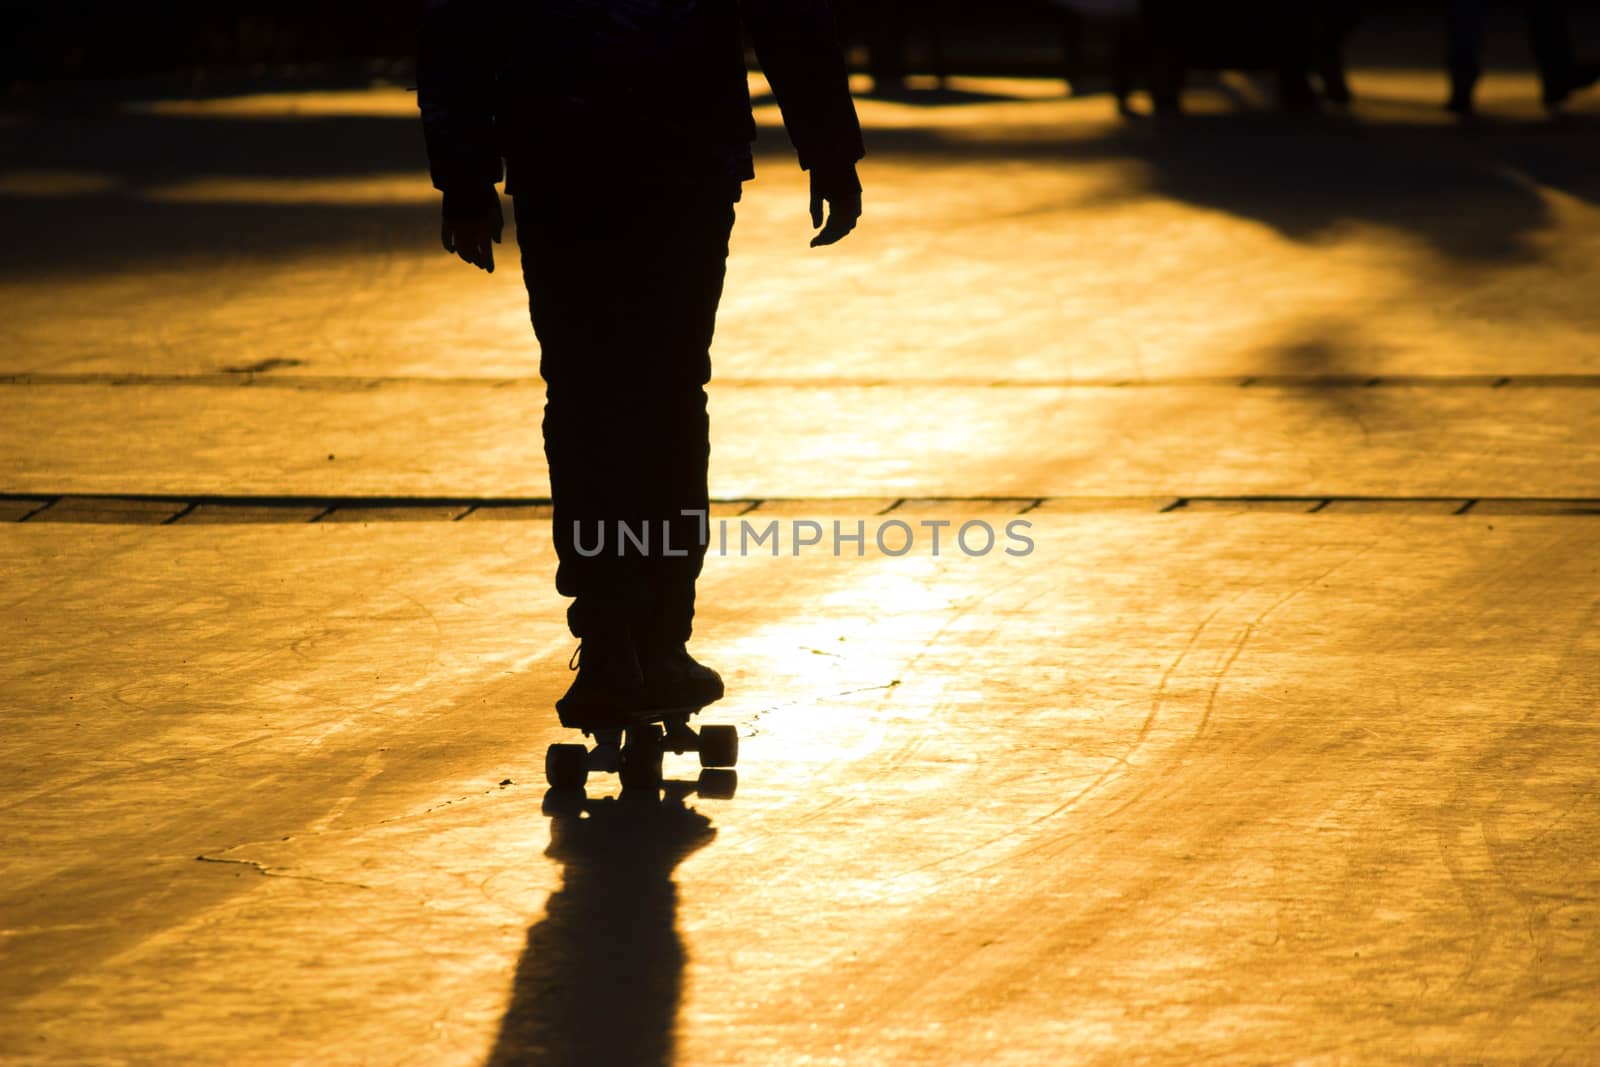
(1273, 742)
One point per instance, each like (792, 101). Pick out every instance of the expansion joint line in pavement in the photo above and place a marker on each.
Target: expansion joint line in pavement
(266, 375)
(198, 509)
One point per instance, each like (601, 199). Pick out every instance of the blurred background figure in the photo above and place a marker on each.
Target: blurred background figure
(1156, 44)
(1549, 34)
(1234, 35)
(885, 28)
(1334, 22)
(1112, 26)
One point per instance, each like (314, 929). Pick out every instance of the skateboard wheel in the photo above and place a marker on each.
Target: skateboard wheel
(565, 766)
(719, 746)
(718, 784)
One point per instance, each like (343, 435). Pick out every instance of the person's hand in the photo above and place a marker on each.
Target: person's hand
(473, 237)
(841, 191)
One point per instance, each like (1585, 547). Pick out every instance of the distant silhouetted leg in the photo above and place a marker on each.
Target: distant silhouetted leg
(884, 27)
(1550, 34)
(1551, 41)
(1464, 31)
(1128, 59)
(1072, 34)
(1339, 18)
(1295, 39)
(1168, 64)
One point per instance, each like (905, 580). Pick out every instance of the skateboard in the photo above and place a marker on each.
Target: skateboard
(633, 751)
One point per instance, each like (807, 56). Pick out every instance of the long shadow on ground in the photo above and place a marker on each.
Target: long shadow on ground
(600, 979)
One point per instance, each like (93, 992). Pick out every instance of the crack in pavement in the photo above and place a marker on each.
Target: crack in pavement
(269, 872)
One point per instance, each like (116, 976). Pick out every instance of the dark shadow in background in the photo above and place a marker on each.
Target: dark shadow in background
(1455, 189)
(602, 974)
(60, 233)
(1464, 192)
(141, 148)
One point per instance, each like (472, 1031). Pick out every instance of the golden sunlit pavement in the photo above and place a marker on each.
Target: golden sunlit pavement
(1245, 713)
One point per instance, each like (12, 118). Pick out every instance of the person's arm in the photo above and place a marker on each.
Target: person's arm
(456, 94)
(798, 48)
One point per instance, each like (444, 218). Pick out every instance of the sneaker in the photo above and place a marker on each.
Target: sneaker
(609, 685)
(674, 679)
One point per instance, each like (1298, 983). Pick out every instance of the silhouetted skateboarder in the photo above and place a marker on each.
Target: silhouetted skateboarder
(625, 128)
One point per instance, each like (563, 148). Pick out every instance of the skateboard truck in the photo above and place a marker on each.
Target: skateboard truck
(633, 752)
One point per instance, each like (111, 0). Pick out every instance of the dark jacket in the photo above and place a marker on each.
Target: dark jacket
(597, 87)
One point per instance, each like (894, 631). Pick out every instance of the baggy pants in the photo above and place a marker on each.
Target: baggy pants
(624, 277)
